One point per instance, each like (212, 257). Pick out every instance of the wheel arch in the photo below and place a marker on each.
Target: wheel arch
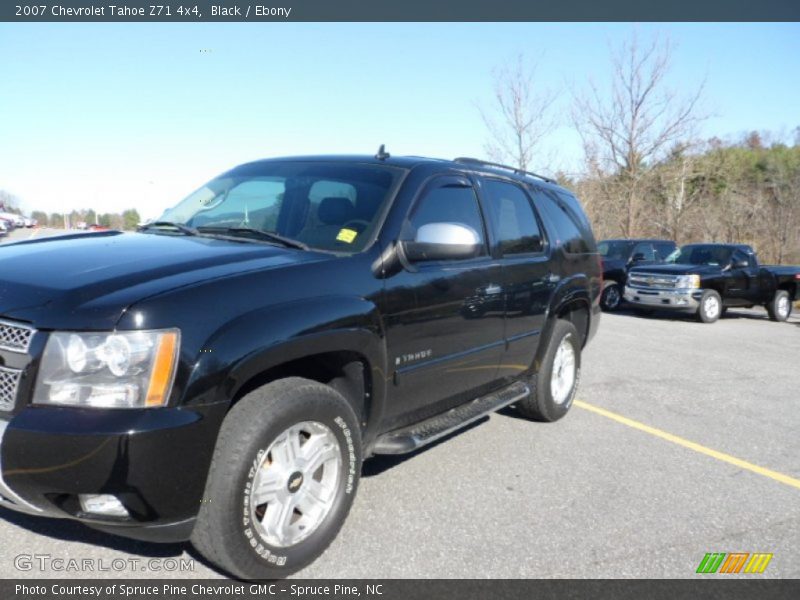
(789, 287)
(571, 302)
(333, 340)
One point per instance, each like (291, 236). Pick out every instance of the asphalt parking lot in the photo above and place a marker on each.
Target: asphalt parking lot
(683, 442)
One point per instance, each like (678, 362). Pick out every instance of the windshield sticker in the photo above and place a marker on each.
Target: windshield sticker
(346, 235)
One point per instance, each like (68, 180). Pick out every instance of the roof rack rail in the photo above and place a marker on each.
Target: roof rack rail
(486, 163)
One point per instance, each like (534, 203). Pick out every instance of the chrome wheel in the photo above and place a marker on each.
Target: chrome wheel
(612, 297)
(783, 307)
(295, 484)
(562, 376)
(711, 307)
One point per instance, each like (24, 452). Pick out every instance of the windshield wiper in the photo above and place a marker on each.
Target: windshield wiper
(258, 233)
(184, 229)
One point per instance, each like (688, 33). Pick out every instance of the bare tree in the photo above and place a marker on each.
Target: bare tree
(681, 184)
(637, 123)
(520, 115)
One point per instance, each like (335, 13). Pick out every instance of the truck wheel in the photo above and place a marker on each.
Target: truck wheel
(611, 298)
(710, 307)
(282, 480)
(780, 307)
(557, 380)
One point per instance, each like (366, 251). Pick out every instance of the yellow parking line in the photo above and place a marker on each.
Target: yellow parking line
(737, 462)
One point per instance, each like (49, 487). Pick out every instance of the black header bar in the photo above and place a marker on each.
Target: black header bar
(151, 11)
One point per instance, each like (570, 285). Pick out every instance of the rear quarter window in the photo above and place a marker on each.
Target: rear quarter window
(565, 215)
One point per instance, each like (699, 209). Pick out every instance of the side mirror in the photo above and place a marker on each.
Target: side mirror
(638, 257)
(442, 241)
(740, 264)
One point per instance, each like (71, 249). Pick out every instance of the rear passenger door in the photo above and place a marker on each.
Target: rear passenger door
(526, 282)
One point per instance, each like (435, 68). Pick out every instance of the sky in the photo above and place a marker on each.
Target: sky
(115, 116)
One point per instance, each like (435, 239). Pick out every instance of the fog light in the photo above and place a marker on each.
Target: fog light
(102, 504)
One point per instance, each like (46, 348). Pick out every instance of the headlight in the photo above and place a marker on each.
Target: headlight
(123, 369)
(689, 281)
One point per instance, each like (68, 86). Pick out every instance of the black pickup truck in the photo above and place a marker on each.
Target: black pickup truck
(619, 256)
(707, 279)
(220, 375)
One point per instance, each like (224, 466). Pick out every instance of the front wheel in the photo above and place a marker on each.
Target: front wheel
(611, 298)
(282, 480)
(780, 307)
(710, 307)
(557, 380)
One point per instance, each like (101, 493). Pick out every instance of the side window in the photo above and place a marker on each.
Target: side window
(663, 251)
(448, 204)
(517, 228)
(645, 250)
(568, 232)
(738, 256)
(574, 210)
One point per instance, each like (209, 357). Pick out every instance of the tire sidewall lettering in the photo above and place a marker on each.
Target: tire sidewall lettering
(351, 454)
(252, 536)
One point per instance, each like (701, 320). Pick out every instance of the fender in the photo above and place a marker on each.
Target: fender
(277, 334)
(570, 290)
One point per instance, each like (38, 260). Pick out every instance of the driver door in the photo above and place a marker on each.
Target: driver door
(443, 319)
(742, 281)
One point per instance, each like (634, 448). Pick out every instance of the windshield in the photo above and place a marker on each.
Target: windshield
(329, 206)
(701, 255)
(615, 250)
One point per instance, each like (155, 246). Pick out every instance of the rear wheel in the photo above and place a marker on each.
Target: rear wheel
(282, 480)
(557, 380)
(780, 307)
(710, 307)
(611, 298)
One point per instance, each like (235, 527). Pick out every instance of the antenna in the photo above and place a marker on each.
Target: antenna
(382, 153)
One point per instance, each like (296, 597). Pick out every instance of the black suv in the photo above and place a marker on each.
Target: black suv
(619, 256)
(221, 374)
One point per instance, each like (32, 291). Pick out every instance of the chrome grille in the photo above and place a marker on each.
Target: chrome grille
(15, 337)
(9, 382)
(653, 281)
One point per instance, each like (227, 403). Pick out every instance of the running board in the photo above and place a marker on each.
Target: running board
(408, 439)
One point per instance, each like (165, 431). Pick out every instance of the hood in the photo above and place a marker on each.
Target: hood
(678, 269)
(86, 281)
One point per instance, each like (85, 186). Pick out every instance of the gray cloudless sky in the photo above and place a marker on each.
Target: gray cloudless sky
(112, 116)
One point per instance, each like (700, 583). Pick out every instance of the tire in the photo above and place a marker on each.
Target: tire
(552, 397)
(780, 307)
(611, 298)
(260, 446)
(710, 307)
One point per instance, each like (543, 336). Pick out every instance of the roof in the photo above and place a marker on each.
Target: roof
(409, 162)
(745, 247)
(637, 240)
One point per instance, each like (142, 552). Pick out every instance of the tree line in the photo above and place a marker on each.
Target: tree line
(646, 172)
(126, 220)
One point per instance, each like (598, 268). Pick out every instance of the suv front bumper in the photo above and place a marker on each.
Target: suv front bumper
(678, 299)
(154, 461)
